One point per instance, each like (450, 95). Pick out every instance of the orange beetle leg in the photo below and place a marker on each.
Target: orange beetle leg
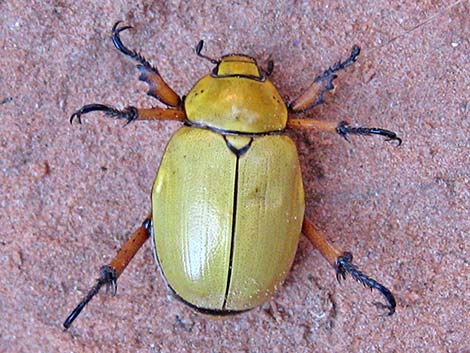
(110, 273)
(130, 114)
(342, 262)
(342, 128)
(314, 95)
(158, 88)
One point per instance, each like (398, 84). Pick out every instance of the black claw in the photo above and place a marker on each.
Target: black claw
(356, 50)
(340, 270)
(394, 138)
(86, 109)
(327, 78)
(343, 129)
(117, 40)
(340, 65)
(344, 266)
(107, 277)
(75, 116)
(129, 113)
(115, 32)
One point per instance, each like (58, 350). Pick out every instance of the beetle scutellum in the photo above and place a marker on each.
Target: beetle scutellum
(228, 200)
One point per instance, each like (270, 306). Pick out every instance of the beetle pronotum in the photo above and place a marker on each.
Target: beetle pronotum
(228, 201)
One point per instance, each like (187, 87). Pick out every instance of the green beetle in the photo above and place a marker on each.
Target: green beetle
(228, 200)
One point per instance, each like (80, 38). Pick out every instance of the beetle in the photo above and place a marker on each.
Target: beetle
(228, 200)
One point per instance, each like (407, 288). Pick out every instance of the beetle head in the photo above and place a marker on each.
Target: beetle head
(236, 97)
(238, 65)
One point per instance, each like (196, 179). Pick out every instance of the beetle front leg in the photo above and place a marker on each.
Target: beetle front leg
(314, 95)
(130, 113)
(110, 273)
(149, 74)
(342, 262)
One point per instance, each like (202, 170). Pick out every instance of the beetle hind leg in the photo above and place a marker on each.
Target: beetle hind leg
(108, 278)
(342, 262)
(110, 273)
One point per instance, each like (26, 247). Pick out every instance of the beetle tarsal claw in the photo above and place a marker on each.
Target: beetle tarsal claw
(340, 269)
(108, 277)
(129, 113)
(343, 129)
(118, 30)
(78, 309)
(344, 265)
(76, 116)
(125, 50)
(87, 109)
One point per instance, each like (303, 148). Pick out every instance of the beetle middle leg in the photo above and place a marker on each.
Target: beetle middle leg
(110, 273)
(342, 262)
(314, 95)
(342, 128)
(130, 114)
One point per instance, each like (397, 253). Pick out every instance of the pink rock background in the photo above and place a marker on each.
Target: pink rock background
(70, 195)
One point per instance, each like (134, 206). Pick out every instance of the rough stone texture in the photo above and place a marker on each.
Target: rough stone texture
(71, 194)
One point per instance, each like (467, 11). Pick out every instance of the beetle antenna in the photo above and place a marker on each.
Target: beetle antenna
(198, 53)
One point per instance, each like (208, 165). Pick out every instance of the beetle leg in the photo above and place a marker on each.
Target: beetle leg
(328, 251)
(314, 95)
(342, 262)
(344, 265)
(110, 273)
(158, 88)
(343, 129)
(130, 113)
(312, 124)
